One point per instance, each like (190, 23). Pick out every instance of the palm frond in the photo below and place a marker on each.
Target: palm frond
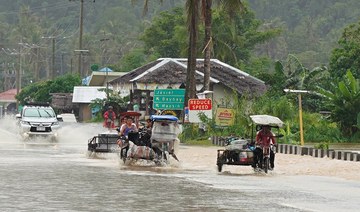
(146, 5)
(232, 6)
(230, 49)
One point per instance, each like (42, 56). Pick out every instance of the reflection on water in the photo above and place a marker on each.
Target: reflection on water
(39, 181)
(41, 176)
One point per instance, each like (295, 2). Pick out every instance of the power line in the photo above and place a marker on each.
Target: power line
(52, 7)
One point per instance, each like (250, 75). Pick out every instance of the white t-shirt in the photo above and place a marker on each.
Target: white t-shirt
(124, 129)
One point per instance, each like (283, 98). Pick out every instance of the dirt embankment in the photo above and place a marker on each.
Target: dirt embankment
(204, 158)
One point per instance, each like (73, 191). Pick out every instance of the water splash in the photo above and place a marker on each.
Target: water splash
(9, 131)
(78, 132)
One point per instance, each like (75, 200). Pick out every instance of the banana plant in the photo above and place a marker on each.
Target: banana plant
(289, 137)
(343, 100)
(358, 122)
(296, 76)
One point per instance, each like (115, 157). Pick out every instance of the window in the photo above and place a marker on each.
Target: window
(39, 112)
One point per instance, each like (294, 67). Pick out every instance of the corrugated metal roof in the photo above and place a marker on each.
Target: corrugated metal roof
(8, 96)
(99, 78)
(85, 94)
(174, 70)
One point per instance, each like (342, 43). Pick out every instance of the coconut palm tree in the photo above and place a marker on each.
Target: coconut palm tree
(192, 9)
(206, 13)
(146, 5)
(231, 6)
(193, 15)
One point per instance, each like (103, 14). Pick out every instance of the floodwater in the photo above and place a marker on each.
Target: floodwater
(44, 176)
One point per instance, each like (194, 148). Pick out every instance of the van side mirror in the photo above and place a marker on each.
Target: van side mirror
(59, 118)
(18, 116)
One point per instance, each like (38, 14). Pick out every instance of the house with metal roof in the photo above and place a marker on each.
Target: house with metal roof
(8, 101)
(101, 77)
(82, 96)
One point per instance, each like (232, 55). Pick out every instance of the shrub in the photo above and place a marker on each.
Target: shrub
(322, 145)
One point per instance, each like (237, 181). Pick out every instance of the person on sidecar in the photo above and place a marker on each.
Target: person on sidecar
(264, 138)
(129, 126)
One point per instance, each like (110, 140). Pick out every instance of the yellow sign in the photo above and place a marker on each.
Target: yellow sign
(169, 112)
(224, 117)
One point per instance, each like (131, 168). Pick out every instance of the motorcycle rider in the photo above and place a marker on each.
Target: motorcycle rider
(148, 125)
(264, 138)
(109, 118)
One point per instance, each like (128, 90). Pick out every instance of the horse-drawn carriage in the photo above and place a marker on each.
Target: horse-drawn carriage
(240, 151)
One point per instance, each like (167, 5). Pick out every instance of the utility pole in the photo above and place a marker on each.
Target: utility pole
(81, 34)
(299, 92)
(37, 75)
(36, 53)
(104, 59)
(107, 83)
(18, 71)
(81, 22)
(18, 78)
(71, 65)
(61, 64)
(81, 52)
(51, 74)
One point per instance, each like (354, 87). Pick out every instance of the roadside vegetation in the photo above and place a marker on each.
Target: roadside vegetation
(334, 91)
(297, 45)
(41, 91)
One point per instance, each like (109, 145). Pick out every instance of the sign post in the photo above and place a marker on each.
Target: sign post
(299, 92)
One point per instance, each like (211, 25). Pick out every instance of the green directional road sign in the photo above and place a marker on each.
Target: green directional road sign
(169, 99)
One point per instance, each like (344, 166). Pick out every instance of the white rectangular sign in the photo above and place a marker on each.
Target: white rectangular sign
(197, 106)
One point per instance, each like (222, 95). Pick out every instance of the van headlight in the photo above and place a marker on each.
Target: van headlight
(25, 122)
(55, 123)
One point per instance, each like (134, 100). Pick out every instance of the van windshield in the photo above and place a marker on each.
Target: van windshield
(39, 112)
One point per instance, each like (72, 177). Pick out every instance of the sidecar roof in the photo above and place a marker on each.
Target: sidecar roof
(130, 113)
(267, 120)
(163, 118)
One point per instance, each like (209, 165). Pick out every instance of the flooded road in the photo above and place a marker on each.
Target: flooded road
(43, 176)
